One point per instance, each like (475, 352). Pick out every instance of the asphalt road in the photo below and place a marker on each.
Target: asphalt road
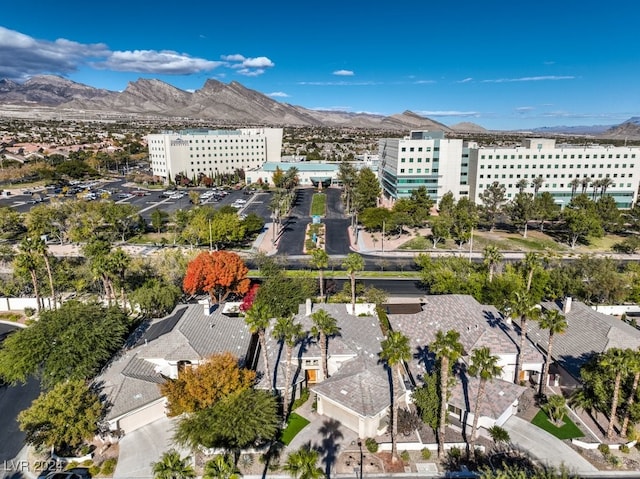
(13, 399)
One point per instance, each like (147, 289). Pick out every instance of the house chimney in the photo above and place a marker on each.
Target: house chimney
(207, 306)
(309, 307)
(566, 306)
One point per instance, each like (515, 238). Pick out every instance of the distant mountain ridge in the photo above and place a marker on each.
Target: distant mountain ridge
(235, 104)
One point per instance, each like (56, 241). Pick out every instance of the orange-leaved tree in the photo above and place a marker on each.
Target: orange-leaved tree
(202, 386)
(218, 273)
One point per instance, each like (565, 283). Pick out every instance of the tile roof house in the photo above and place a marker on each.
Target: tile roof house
(191, 333)
(479, 326)
(588, 332)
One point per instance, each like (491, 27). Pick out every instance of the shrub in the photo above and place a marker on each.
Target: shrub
(426, 453)
(304, 397)
(109, 466)
(404, 455)
(624, 449)
(604, 449)
(614, 460)
(29, 311)
(94, 470)
(455, 453)
(371, 444)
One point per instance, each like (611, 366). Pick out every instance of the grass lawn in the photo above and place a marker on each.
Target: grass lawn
(294, 426)
(318, 204)
(567, 431)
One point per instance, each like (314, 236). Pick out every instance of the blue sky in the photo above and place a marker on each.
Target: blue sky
(500, 64)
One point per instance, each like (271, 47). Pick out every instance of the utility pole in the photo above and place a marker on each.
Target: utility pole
(383, 225)
(471, 246)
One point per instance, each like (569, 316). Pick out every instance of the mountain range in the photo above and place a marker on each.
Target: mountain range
(230, 103)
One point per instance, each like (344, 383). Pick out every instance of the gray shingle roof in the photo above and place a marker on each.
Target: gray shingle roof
(498, 395)
(588, 332)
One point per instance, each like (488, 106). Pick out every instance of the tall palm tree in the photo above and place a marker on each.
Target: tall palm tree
(353, 263)
(634, 367)
(40, 247)
(522, 307)
(447, 349)
(320, 261)
(118, 262)
(615, 360)
(172, 466)
(605, 183)
(303, 464)
(595, 184)
(537, 183)
(221, 467)
(485, 367)
(522, 185)
(556, 323)
(324, 326)
(491, 258)
(395, 353)
(584, 184)
(574, 186)
(27, 261)
(531, 264)
(289, 333)
(258, 318)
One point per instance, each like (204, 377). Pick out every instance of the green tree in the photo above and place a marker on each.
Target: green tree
(447, 349)
(555, 322)
(320, 261)
(258, 318)
(492, 257)
(440, 229)
(158, 219)
(616, 361)
(73, 342)
(555, 408)
(395, 352)
(63, 417)
(447, 204)
(580, 224)
(609, 214)
(353, 264)
(545, 208)
(245, 419)
(427, 400)
(289, 334)
(374, 218)
(26, 261)
(499, 434)
(156, 297)
(324, 327)
(484, 366)
(633, 363)
(347, 175)
(278, 177)
(493, 199)
(303, 464)
(11, 222)
(531, 263)
(366, 191)
(221, 467)
(537, 183)
(465, 219)
(521, 211)
(172, 466)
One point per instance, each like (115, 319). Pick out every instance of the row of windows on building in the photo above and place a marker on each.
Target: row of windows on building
(556, 175)
(418, 149)
(215, 140)
(562, 185)
(557, 157)
(558, 166)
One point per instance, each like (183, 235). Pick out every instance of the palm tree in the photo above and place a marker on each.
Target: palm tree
(574, 186)
(258, 318)
(395, 353)
(615, 360)
(27, 261)
(499, 434)
(522, 307)
(605, 183)
(324, 326)
(447, 349)
(320, 261)
(118, 262)
(172, 466)
(40, 247)
(584, 184)
(485, 367)
(522, 185)
(353, 263)
(634, 367)
(289, 333)
(595, 184)
(531, 264)
(221, 467)
(537, 183)
(303, 464)
(491, 258)
(556, 323)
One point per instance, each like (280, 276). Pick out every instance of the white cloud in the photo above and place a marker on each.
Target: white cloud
(536, 78)
(525, 109)
(338, 83)
(450, 113)
(162, 62)
(424, 82)
(344, 73)
(250, 67)
(233, 58)
(465, 80)
(278, 94)
(258, 62)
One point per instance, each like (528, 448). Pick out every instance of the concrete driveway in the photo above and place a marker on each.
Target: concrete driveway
(546, 448)
(139, 448)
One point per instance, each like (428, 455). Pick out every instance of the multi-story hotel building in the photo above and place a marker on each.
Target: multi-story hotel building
(427, 159)
(212, 152)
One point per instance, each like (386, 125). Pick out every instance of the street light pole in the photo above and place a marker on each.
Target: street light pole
(383, 225)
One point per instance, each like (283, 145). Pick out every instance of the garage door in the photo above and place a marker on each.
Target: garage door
(142, 417)
(346, 418)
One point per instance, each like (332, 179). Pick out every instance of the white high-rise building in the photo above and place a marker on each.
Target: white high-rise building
(212, 152)
(426, 158)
